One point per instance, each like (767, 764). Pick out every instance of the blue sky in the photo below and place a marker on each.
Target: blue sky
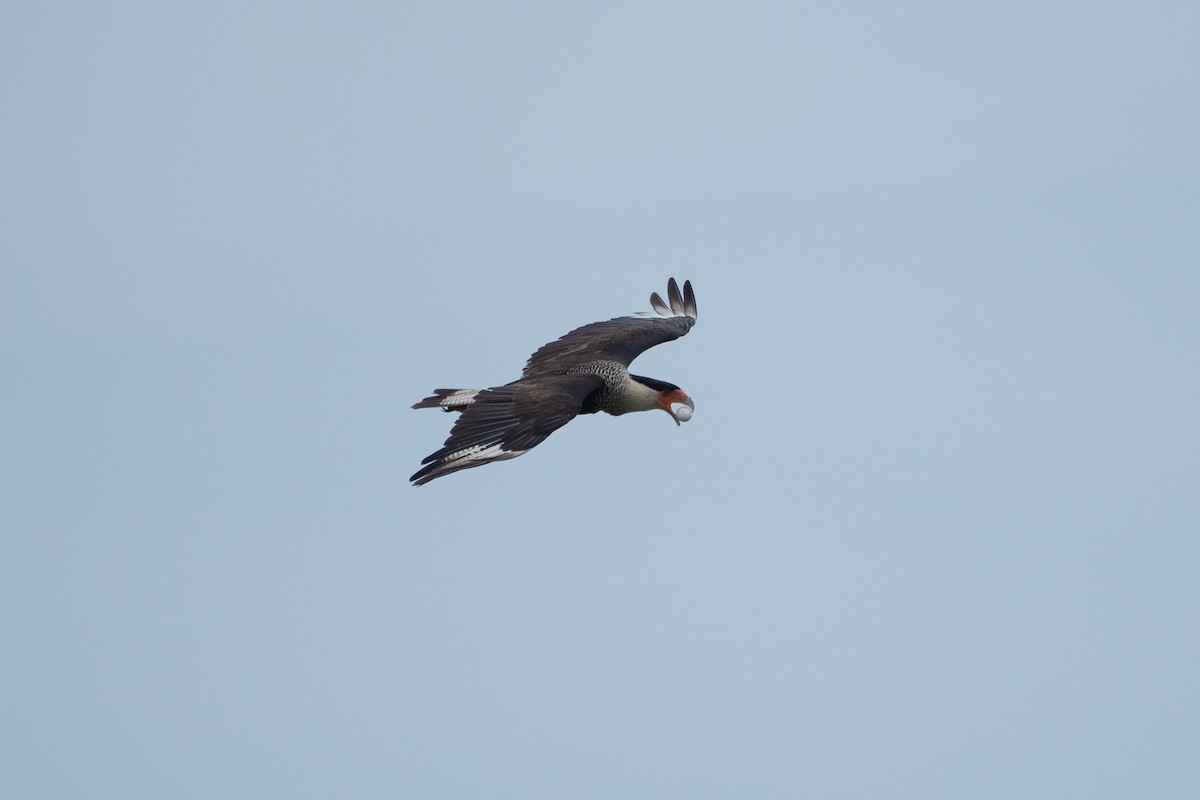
(931, 532)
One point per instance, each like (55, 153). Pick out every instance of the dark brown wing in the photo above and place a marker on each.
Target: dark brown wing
(621, 339)
(507, 421)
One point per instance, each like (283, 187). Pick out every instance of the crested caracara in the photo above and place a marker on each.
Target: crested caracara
(583, 372)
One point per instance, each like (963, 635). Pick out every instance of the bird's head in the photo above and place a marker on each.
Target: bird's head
(676, 403)
(667, 396)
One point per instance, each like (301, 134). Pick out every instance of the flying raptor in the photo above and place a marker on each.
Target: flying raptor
(583, 372)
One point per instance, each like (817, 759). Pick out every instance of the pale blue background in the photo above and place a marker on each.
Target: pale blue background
(932, 532)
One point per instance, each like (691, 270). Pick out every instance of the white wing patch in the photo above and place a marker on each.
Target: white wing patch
(463, 397)
(480, 452)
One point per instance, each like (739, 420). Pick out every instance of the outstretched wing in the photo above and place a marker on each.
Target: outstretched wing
(621, 339)
(508, 421)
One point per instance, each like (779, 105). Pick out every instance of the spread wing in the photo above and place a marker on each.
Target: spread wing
(621, 339)
(508, 421)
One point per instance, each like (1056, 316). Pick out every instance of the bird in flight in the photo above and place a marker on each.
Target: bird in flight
(583, 372)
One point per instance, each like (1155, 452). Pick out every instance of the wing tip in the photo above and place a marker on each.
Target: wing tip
(689, 300)
(673, 296)
(678, 305)
(660, 308)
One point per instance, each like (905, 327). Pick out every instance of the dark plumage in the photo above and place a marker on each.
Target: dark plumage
(583, 372)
